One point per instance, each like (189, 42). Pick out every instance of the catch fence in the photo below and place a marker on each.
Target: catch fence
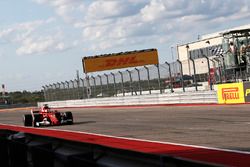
(162, 78)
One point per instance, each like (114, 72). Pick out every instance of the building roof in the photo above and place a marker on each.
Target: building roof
(216, 34)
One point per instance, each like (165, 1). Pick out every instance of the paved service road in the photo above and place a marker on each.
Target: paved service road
(215, 126)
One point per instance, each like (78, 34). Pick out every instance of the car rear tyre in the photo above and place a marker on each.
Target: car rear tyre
(27, 120)
(37, 119)
(69, 117)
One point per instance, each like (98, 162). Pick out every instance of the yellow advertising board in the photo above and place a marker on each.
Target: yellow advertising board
(120, 60)
(231, 93)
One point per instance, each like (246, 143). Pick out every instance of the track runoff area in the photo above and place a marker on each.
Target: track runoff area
(211, 133)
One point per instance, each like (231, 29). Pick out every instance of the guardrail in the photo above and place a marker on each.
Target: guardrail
(153, 99)
(37, 150)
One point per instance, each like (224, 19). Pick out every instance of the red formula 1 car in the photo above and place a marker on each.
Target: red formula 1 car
(46, 116)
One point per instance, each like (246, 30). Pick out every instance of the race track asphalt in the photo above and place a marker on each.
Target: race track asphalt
(220, 126)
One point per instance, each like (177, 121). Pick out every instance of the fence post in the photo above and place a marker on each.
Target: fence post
(114, 83)
(159, 77)
(224, 66)
(149, 89)
(94, 90)
(215, 68)
(44, 92)
(88, 86)
(48, 98)
(194, 79)
(170, 76)
(56, 97)
(82, 87)
(182, 80)
(77, 89)
(59, 91)
(51, 92)
(139, 78)
(68, 90)
(107, 78)
(130, 82)
(63, 92)
(194, 69)
(209, 74)
(73, 89)
(219, 69)
(122, 83)
(100, 77)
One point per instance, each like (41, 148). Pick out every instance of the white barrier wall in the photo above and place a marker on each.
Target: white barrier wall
(167, 98)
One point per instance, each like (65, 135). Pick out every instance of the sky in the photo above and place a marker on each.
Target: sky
(43, 41)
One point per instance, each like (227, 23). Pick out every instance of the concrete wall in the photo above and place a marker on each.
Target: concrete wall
(154, 99)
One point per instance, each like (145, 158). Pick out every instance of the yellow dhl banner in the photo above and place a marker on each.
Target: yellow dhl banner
(231, 93)
(123, 60)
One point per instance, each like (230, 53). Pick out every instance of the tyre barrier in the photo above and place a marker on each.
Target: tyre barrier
(18, 149)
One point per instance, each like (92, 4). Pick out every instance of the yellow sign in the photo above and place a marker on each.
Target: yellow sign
(231, 93)
(120, 60)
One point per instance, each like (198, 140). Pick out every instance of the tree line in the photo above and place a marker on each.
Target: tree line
(22, 97)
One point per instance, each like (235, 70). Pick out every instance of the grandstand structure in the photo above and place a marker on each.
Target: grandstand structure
(212, 54)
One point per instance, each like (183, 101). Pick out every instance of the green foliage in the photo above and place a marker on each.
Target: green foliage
(26, 97)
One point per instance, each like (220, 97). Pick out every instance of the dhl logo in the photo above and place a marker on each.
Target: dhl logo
(121, 61)
(230, 93)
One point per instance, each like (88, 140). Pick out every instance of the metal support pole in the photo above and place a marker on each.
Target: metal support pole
(68, 90)
(139, 80)
(182, 80)
(63, 91)
(88, 86)
(208, 66)
(159, 77)
(224, 67)
(94, 90)
(56, 97)
(194, 69)
(114, 83)
(59, 91)
(77, 88)
(189, 68)
(209, 74)
(219, 68)
(149, 89)
(51, 92)
(130, 82)
(122, 82)
(44, 93)
(107, 79)
(170, 76)
(194, 78)
(73, 89)
(82, 87)
(100, 77)
(48, 94)
(215, 69)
